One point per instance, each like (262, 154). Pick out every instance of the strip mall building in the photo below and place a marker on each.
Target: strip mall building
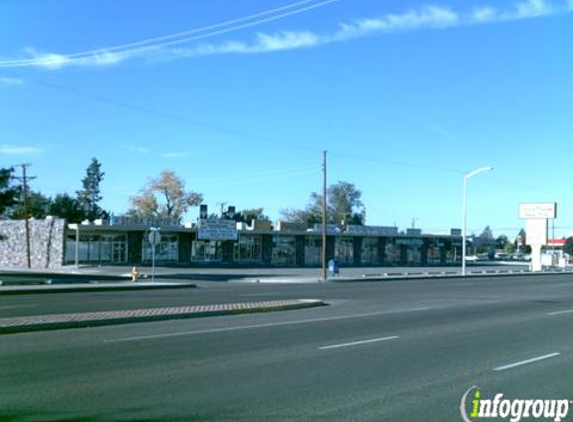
(226, 243)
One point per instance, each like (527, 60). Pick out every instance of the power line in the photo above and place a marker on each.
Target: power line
(171, 116)
(152, 43)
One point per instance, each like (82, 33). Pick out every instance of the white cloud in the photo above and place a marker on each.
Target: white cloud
(19, 150)
(485, 14)
(161, 48)
(533, 9)
(139, 150)
(175, 154)
(427, 17)
(6, 81)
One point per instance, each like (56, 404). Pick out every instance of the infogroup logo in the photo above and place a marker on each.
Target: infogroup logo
(513, 409)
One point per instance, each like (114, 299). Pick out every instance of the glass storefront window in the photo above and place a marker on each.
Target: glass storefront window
(414, 255)
(370, 250)
(392, 253)
(248, 248)
(313, 251)
(434, 255)
(284, 250)
(97, 249)
(166, 250)
(344, 250)
(454, 254)
(206, 251)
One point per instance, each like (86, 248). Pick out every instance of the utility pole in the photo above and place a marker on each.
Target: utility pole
(324, 274)
(24, 179)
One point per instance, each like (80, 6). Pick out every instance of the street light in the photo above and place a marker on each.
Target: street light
(465, 211)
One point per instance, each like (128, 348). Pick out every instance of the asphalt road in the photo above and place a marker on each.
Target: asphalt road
(388, 351)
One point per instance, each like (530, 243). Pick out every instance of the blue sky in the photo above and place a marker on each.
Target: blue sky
(241, 97)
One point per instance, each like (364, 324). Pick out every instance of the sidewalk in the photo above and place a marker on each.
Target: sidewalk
(90, 319)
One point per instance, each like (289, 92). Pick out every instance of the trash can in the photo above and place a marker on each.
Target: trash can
(333, 268)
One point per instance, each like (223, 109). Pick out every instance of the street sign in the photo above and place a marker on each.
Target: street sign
(154, 237)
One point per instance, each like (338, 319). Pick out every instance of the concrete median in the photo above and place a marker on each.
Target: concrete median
(91, 319)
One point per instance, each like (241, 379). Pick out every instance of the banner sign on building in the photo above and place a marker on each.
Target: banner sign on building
(371, 230)
(538, 210)
(217, 229)
(124, 220)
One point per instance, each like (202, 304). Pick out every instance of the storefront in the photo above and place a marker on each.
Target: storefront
(284, 250)
(167, 250)
(313, 250)
(370, 251)
(217, 244)
(248, 248)
(97, 249)
(344, 250)
(206, 251)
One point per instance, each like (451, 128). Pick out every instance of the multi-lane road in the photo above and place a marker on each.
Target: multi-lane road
(381, 351)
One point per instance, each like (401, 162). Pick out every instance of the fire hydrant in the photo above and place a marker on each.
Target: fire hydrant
(134, 275)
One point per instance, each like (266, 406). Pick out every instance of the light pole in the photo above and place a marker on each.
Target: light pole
(465, 211)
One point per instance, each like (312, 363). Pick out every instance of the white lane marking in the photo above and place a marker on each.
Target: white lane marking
(526, 362)
(17, 306)
(568, 311)
(250, 327)
(356, 343)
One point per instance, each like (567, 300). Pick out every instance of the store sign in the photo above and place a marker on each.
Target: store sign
(217, 229)
(371, 230)
(538, 210)
(124, 220)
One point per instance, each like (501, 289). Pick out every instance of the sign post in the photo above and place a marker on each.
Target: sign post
(154, 238)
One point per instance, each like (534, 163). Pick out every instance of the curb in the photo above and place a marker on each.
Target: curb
(95, 319)
(446, 275)
(63, 275)
(88, 288)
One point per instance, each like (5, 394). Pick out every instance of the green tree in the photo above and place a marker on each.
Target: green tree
(68, 207)
(344, 206)
(248, 215)
(568, 246)
(306, 216)
(7, 191)
(38, 205)
(164, 197)
(89, 196)
(501, 242)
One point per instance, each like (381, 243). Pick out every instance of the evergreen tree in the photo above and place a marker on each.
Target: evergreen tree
(90, 196)
(7, 191)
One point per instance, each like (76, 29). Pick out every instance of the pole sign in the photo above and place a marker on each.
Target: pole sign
(547, 210)
(536, 216)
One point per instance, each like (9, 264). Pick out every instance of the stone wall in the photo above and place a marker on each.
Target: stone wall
(47, 243)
